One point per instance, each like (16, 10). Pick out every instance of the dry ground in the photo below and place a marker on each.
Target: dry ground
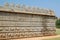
(39, 38)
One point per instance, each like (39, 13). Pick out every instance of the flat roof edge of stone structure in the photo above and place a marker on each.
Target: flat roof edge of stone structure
(26, 9)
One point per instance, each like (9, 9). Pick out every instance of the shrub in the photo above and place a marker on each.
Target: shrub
(58, 23)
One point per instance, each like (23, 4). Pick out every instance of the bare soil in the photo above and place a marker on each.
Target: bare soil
(39, 38)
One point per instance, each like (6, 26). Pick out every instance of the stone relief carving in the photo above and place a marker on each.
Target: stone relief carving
(18, 6)
(6, 5)
(28, 8)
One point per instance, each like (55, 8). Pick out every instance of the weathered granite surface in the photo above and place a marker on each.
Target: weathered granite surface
(18, 24)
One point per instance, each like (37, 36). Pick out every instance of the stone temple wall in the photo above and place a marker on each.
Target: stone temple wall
(14, 25)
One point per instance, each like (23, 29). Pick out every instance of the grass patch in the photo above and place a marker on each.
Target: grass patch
(58, 31)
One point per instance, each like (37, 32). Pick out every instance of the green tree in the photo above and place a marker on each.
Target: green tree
(58, 23)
